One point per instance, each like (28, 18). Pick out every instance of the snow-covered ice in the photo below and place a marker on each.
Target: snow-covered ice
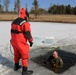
(45, 34)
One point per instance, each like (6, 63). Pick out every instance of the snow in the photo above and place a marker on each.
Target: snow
(44, 34)
(41, 30)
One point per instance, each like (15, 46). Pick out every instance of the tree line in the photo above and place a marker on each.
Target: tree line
(61, 9)
(54, 9)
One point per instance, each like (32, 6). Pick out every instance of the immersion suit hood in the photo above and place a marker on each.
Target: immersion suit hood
(22, 13)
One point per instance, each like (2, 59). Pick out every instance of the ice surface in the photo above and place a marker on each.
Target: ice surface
(41, 30)
(44, 34)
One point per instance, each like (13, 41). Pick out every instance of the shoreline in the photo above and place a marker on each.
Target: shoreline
(71, 19)
(44, 21)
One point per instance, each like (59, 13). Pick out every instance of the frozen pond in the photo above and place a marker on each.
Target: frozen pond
(42, 30)
(43, 33)
(59, 31)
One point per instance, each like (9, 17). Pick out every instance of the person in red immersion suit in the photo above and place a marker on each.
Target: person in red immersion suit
(20, 36)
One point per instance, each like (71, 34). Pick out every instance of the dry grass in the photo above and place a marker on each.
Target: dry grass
(55, 18)
(8, 17)
(42, 18)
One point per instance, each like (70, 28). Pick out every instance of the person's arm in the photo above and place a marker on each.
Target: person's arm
(27, 32)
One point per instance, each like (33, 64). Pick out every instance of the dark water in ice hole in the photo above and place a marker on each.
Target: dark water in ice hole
(69, 59)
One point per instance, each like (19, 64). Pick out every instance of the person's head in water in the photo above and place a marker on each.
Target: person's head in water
(55, 54)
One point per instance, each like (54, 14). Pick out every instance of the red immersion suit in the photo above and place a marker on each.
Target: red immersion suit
(20, 36)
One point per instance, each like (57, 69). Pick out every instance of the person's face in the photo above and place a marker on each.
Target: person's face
(55, 54)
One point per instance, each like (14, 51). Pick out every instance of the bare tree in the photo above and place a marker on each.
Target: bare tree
(17, 6)
(6, 4)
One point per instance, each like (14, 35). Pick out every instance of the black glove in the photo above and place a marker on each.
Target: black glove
(31, 43)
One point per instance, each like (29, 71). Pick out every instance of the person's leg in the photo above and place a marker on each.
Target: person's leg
(25, 65)
(17, 57)
(24, 62)
(17, 54)
(25, 56)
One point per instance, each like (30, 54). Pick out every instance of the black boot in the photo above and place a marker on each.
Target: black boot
(16, 67)
(25, 71)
